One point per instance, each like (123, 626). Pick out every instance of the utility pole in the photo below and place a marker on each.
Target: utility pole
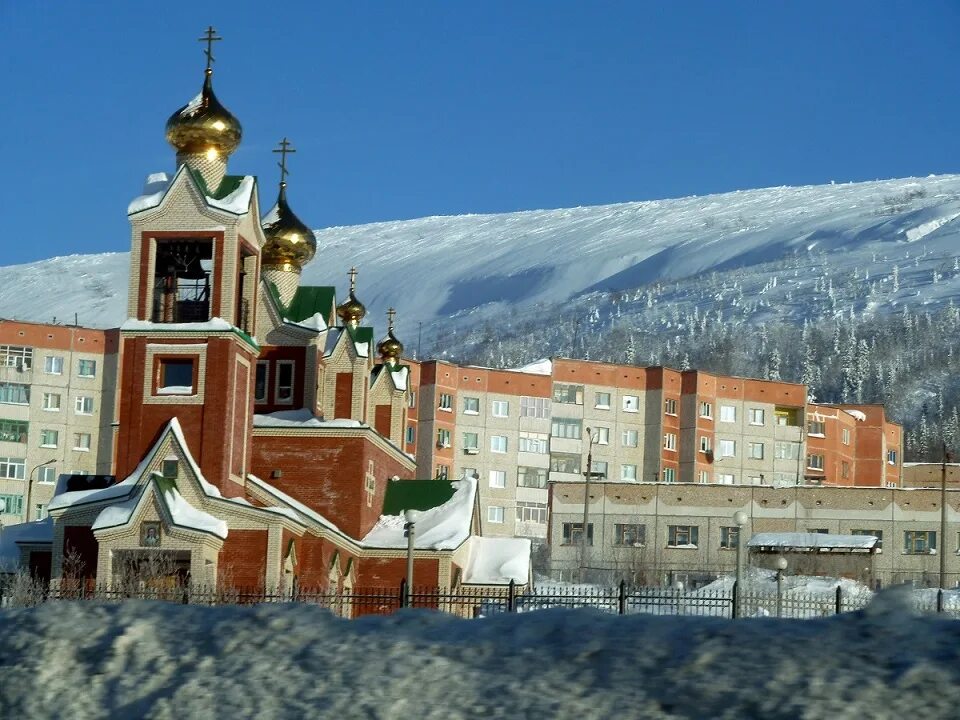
(943, 518)
(586, 506)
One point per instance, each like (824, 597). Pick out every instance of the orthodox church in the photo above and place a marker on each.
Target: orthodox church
(259, 435)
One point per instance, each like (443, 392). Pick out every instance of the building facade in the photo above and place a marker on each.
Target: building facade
(57, 395)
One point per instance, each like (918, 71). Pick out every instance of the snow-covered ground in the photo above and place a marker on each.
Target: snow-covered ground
(142, 659)
(476, 264)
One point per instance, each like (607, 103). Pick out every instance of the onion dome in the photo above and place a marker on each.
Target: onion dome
(290, 244)
(204, 126)
(390, 348)
(351, 311)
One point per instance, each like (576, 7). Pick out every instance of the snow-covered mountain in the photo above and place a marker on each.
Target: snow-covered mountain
(894, 241)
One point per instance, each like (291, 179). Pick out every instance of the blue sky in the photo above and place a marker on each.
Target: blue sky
(400, 110)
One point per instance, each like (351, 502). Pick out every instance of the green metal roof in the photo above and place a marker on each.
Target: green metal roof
(361, 334)
(227, 185)
(415, 495)
(307, 301)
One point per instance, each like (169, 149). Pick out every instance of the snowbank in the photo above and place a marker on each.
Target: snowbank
(444, 527)
(168, 661)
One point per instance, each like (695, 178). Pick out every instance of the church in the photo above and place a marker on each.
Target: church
(259, 435)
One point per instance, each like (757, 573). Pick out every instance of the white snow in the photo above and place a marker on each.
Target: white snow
(186, 515)
(497, 561)
(302, 418)
(175, 390)
(444, 527)
(315, 322)
(540, 367)
(37, 531)
(237, 202)
(213, 324)
(812, 540)
(117, 514)
(400, 377)
(154, 188)
(858, 414)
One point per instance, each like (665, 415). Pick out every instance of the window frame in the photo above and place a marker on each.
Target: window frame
(80, 366)
(500, 404)
(730, 411)
(265, 366)
(689, 532)
(80, 402)
(471, 405)
(277, 386)
(495, 442)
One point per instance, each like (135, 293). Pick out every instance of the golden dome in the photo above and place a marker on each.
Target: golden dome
(204, 126)
(390, 348)
(351, 311)
(290, 244)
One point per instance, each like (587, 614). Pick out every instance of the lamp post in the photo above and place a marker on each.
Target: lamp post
(409, 530)
(943, 518)
(740, 518)
(781, 566)
(26, 512)
(586, 506)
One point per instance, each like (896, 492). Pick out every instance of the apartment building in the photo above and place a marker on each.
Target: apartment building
(57, 394)
(517, 429)
(660, 532)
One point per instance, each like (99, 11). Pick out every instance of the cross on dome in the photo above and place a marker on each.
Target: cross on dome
(284, 149)
(353, 279)
(209, 37)
(391, 314)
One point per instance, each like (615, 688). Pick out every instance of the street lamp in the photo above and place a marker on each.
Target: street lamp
(409, 529)
(740, 518)
(781, 566)
(586, 505)
(30, 485)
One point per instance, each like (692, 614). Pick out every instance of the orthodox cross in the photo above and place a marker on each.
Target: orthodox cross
(210, 37)
(391, 314)
(353, 278)
(284, 150)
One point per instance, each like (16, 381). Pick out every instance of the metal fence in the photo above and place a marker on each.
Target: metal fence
(476, 602)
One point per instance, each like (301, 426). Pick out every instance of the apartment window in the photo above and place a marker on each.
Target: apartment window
(729, 536)
(446, 402)
(728, 448)
(565, 463)
(845, 436)
(599, 466)
(815, 462)
(670, 406)
(530, 512)
(47, 474)
(471, 406)
(533, 443)
(844, 469)
(669, 475)
(786, 451)
(819, 531)
(704, 476)
(706, 444)
(495, 514)
(500, 408)
(706, 410)
(534, 407)
(40, 511)
(919, 542)
(630, 438)
(443, 438)
(601, 400)
(817, 428)
(51, 401)
(531, 477)
(11, 504)
(669, 441)
(14, 393)
(260, 383)
(631, 403)
(412, 399)
(891, 457)
(471, 441)
(629, 534)
(683, 536)
(755, 479)
(756, 416)
(81, 441)
(87, 368)
(13, 431)
(498, 443)
(16, 356)
(728, 413)
(284, 387)
(628, 472)
(411, 435)
(13, 468)
(53, 365)
(175, 377)
(568, 394)
(498, 479)
(83, 405)
(443, 472)
(573, 533)
(755, 450)
(602, 435)
(49, 438)
(566, 428)
(878, 534)
(726, 478)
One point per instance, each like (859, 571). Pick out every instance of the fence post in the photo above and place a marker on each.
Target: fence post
(940, 600)
(622, 598)
(838, 604)
(403, 592)
(734, 597)
(511, 596)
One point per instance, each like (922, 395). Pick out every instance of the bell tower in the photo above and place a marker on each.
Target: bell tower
(188, 345)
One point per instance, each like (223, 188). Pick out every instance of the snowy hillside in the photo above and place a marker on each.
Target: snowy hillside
(475, 265)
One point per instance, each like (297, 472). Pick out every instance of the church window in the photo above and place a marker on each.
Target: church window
(260, 386)
(175, 376)
(284, 389)
(411, 434)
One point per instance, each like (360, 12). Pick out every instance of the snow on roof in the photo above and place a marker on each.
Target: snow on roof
(117, 514)
(154, 188)
(208, 488)
(497, 561)
(286, 512)
(859, 415)
(813, 540)
(211, 324)
(38, 531)
(237, 202)
(302, 418)
(186, 515)
(444, 527)
(295, 504)
(400, 377)
(314, 322)
(539, 367)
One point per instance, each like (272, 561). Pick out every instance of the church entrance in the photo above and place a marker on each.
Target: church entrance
(162, 574)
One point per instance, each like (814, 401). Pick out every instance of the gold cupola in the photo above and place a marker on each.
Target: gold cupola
(390, 348)
(351, 311)
(290, 244)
